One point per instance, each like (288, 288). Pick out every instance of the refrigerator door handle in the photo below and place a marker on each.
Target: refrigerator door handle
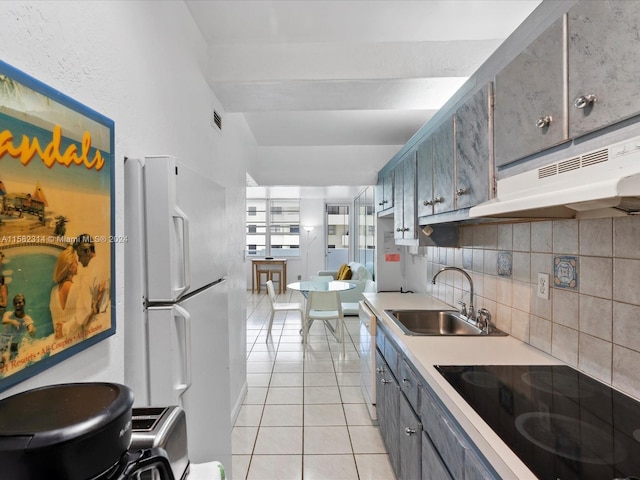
(186, 377)
(186, 271)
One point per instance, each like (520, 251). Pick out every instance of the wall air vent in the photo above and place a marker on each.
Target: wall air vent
(216, 120)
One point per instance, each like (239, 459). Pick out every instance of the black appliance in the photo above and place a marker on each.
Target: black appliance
(77, 431)
(561, 423)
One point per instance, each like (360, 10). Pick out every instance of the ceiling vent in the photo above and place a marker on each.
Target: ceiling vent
(216, 120)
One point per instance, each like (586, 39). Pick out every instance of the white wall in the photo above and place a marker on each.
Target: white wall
(139, 63)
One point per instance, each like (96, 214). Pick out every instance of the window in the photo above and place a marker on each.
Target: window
(337, 210)
(273, 227)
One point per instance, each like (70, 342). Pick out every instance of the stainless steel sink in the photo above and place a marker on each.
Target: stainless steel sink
(436, 323)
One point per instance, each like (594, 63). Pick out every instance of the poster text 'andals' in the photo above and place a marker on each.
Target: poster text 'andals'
(51, 154)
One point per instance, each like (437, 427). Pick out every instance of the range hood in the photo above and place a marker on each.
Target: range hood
(599, 183)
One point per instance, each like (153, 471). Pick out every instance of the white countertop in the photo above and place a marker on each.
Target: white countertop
(424, 352)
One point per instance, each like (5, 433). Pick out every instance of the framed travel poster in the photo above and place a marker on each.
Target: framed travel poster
(56, 226)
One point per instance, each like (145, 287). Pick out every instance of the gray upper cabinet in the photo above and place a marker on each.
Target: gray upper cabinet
(404, 213)
(604, 64)
(530, 110)
(473, 153)
(384, 192)
(424, 174)
(443, 160)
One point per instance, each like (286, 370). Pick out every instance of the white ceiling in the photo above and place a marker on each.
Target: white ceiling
(332, 89)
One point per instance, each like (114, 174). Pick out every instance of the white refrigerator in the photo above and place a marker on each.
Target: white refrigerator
(176, 326)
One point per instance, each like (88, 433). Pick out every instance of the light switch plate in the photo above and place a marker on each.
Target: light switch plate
(543, 285)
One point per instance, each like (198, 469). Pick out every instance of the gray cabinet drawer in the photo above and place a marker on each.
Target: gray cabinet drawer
(380, 340)
(391, 356)
(443, 434)
(409, 384)
(432, 466)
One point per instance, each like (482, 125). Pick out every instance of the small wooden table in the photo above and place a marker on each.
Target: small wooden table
(277, 264)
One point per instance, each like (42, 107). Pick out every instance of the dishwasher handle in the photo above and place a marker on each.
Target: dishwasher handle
(367, 317)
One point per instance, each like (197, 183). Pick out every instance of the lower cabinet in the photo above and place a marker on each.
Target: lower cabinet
(410, 442)
(422, 438)
(433, 467)
(388, 410)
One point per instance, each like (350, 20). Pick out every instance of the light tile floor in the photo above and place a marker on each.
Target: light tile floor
(304, 419)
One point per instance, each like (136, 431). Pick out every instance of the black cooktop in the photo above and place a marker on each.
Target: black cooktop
(562, 424)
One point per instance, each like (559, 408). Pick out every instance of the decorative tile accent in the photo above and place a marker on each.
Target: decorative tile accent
(565, 271)
(505, 264)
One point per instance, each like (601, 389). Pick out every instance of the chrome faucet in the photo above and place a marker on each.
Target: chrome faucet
(467, 312)
(484, 321)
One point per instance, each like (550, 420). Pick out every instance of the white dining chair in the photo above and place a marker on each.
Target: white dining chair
(323, 306)
(281, 307)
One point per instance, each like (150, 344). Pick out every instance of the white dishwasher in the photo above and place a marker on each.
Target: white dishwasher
(368, 357)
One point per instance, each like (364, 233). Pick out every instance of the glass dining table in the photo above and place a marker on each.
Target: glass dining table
(318, 285)
(321, 286)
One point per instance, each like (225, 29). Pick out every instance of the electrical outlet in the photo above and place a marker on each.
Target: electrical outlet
(543, 285)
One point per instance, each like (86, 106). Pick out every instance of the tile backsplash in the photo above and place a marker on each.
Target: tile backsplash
(591, 320)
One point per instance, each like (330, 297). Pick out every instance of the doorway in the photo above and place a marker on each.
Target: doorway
(337, 236)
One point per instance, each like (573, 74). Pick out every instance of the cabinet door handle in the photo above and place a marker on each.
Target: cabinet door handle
(384, 381)
(427, 203)
(406, 382)
(584, 101)
(409, 431)
(544, 122)
(380, 369)
(399, 230)
(437, 200)
(406, 229)
(461, 191)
